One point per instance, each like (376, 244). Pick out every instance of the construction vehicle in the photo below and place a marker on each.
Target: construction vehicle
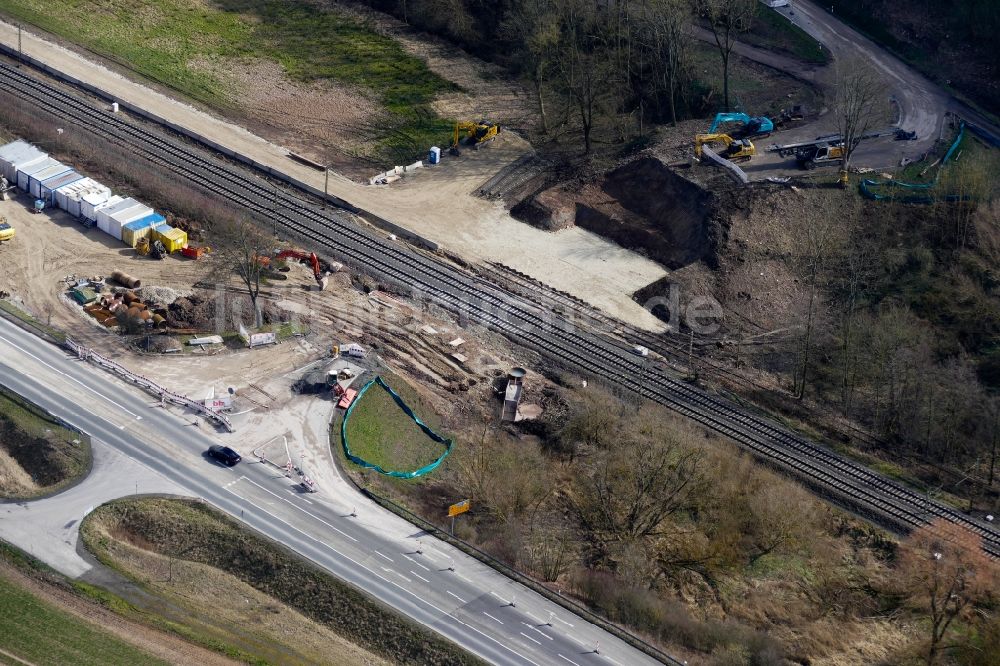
(752, 126)
(6, 231)
(736, 149)
(475, 134)
(821, 154)
(306, 258)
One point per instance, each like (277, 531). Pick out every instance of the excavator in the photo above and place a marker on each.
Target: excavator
(475, 133)
(752, 126)
(736, 149)
(306, 258)
(6, 231)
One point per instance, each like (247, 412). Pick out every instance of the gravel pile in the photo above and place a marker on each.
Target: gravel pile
(162, 296)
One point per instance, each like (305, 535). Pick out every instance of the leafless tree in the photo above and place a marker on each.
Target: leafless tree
(663, 27)
(635, 485)
(245, 249)
(727, 19)
(534, 25)
(945, 572)
(859, 105)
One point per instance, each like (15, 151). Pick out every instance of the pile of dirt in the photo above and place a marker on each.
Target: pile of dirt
(49, 458)
(218, 311)
(643, 206)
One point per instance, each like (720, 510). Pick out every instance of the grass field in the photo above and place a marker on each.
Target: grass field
(200, 538)
(383, 434)
(49, 453)
(38, 633)
(161, 38)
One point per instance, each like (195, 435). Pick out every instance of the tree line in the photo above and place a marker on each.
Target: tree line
(605, 69)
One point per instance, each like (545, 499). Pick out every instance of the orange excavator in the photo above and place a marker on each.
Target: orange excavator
(306, 258)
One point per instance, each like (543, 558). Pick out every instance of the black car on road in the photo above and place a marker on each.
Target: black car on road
(224, 454)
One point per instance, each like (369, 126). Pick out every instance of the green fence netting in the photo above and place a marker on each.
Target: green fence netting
(894, 190)
(409, 412)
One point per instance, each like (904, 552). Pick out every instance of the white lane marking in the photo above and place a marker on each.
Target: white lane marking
(575, 640)
(415, 562)
(537, 629)
(556, 617)
(534, 617)
(419, 576)
(462, 577)
(408, 580)
(72, 379)
(390, 582)
(492, 618)
(499, 597)
(385, 556)
(530, 638)
(569, 660)
(455, 595)
(306, 501)
(613, 661)
(308, 513)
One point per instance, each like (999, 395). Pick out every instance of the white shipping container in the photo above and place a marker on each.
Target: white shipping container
(119, 220)
(110, 203)
(92, 202)
(18, 153)
(68, 197)
(36, 179)
(49, 187)
(105, 213)
(25, 172)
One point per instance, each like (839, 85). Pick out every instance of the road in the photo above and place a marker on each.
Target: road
(922, 104)
(425, 579)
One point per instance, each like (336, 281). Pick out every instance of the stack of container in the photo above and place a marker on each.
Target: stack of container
(70, 197)
(57, 184)
(136, 230)
(18, 155)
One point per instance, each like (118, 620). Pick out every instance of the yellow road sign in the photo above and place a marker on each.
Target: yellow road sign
(459, 507)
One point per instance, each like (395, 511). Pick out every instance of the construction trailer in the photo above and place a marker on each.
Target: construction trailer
(18, 155)
(25, 173)
(92, 202)
(36, 180)
(105, 214)
(70, 197)
(119, 220)
(134, 231)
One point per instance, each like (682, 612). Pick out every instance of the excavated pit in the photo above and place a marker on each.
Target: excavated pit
(643, 206)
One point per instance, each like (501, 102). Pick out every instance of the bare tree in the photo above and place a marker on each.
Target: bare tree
(727, 19)
(585, 74)
(634, 486)
(533, 26)
(859, 104)
(245, 249)
(663, 25)
(945, 571)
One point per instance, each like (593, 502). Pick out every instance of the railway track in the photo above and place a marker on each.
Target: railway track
(529, 323)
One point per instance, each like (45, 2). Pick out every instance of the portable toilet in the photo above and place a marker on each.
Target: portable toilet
(134, 231)
(434, 156)
(92, 202)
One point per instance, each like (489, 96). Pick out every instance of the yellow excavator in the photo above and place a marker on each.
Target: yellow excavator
(475, 134)
(6, 231)
(736, 149)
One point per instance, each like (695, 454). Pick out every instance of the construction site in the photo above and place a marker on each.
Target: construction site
(501, 324)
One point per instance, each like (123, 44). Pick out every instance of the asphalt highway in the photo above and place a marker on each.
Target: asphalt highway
(434, 584)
